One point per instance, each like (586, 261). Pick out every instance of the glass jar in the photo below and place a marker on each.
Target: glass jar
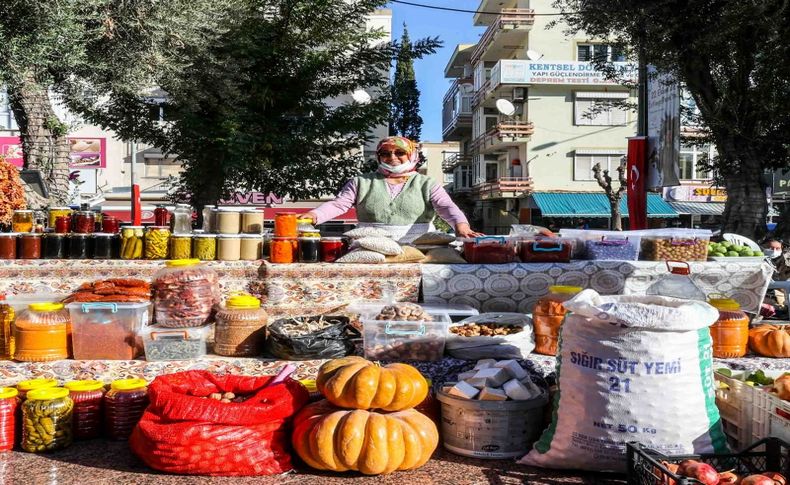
(124, 405)
(283, 250)
(47, 418)
(87, 414)
(228, 247)
(285, 225)
(39, 221)
(229, 221)
(41, 333)
(54, 246)
(84, 222)
(181, 222)
(9, 402)
(208, 218)
(132, 242)
(331, 249)
(6, 337)
(22, 221)
(157, 241)
(204, 247)
(240, 328)
(251, 246)
(181, 246)
(161, 216)
(309, 249)
(267, 243)
(548, 316)
(252, 221)
(31, 384)
(730, 333)
(29, 246)
(56, 212)
(80, 246)
(106, 245)
(110, 224)
(8, 242)
(63, 224)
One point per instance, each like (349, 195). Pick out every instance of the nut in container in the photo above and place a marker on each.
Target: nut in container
(404, 331)
(675, 245)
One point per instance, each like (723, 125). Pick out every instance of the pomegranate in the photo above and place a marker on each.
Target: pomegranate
(682, 466)
(702, 472)
(778, 478)
(729, 478)
(757, 480)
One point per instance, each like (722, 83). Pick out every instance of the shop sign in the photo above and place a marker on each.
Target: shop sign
(253, 198)
(781, 183)
(519, 71)
(695, 193)
(84, 153)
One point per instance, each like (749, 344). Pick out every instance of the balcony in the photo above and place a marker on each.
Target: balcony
(453, 160)
(508, 73)
(503, 136)
(481, 94)
(457, 110)
(507, 32)
(504, 188)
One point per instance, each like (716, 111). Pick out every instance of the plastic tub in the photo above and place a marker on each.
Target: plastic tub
(491, 429)
(489, 249)
(405, 340)
(41, 333)
(675, 245)
(175, 344)
(107, 330)
(545, 251)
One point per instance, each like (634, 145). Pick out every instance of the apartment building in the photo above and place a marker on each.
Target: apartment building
(532, 117)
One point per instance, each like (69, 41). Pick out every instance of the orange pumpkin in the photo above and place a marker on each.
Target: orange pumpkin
(356, 383)
(782, 386)
(770, 340)
(335, 439)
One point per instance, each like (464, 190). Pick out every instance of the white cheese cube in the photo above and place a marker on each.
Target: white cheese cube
(491, 394)
(484, 364)
(517, 391)
(463, 390)
(466, 375)
(531, 387)
(512, 367)
(491, 377)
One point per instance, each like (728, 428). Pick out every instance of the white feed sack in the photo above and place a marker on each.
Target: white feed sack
(361, 232)
(381, 245)
(631, 368)
(362, 256)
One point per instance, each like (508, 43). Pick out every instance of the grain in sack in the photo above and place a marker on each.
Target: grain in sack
(362, 256)
(383, 245)
(361, 232)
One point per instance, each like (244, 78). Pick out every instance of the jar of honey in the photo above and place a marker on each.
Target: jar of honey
(22, 221)
(730, 333)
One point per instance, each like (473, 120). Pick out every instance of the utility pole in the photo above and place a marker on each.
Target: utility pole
(641, 128)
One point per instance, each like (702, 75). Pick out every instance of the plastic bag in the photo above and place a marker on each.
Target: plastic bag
(185, 431)
(513, 346)
(328, 343)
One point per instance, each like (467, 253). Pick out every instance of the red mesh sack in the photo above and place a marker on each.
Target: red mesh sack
(184, 432)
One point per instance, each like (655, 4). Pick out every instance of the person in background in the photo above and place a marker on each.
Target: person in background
(774, 250)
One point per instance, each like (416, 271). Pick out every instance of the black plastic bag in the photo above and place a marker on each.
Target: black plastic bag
(328, 343)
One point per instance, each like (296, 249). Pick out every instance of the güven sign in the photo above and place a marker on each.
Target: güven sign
(253, 198)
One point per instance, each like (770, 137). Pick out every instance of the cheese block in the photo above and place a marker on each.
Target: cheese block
(491, 394)
(463, 390)
(531, 386)
(516, 390)
(466, 375)
(485, 364)
(513, 368)
(490, 377)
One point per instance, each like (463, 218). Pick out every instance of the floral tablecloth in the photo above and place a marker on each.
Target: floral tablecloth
(517, 286)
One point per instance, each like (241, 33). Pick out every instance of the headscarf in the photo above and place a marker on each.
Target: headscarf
(399, 143)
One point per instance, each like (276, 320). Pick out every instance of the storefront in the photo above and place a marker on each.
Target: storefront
(698, 205)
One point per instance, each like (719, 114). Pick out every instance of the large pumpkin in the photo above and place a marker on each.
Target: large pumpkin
(328, 438)
(356, 383)
(770, 340)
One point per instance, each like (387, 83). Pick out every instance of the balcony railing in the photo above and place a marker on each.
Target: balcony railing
(504, 188)
(509, 18)
(456, 108)
(503, 135)
(453, 160)
(481, 93)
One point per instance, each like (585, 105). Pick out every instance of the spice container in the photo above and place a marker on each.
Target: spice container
(181, 222)
(106, 245)
(161, 215)
(404, 331)
(9, 403)
(252, 221)
(157, 240)
(283, 250)
(251, 247)
(180, 246)
(132, 242)
(56, 212)
(87, 412)
(54, 246)
(29, 245)
(84, 222)
(107, 331)
(228, 221)
(545, 251)
(63, 224)
(47, 419)
(31, 384)
(185, 292)
(240, 328)
(228, 247)
(675, 245)
(41, 333)
(22, 221)
(730, 333)
(205, 247)
(309, 249)
(548, 315)
(175, 344)
(612, 249)
(8, 242)
(6, 338)
(80, 246)
(110, 224)
(124, 405)
(285, 225)
(489, 249)
(331, 249)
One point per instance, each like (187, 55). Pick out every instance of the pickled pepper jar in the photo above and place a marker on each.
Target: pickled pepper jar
(9, 403)
(84, 222)
(124, 405)
(157, 242)
(87, 414)
(548, 316)
(46, 420)
(730, 333)
(41, 333)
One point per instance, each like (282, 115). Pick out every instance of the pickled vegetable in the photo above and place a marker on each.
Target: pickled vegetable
(157, 240)
(132, 242)
(205, 247)
(47, 416)
(181, 246)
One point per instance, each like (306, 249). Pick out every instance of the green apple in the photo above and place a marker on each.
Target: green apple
(732, 254)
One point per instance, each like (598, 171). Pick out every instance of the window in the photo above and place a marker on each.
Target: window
(690, 162)
(156, 167)
(491, 172)
(464, 179)
(448, 178)
(583, 164)
(600, 109)
(599, 52)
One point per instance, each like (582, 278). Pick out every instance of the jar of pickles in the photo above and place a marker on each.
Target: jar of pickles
(228, 247)
(240, 328)
(252, 221)
(204, 247)
(22, 221)
(29, 245)
(106, 245)
(87, 415)
(548, 316)
(84, 222)
(132, 242)
(124, 405)
(8, 242)
(31, 384)
(285, 225)
(181, 246)
(157, 241)
(309, 249)
(47, 418)
(54, 246)
(283, 250)
(41, 333)
(6, 338)
(80, 246)
(9, 402)
(251, 245)
(56, 212)
(730, 333)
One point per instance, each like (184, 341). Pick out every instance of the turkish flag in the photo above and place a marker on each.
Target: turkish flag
(637, 186)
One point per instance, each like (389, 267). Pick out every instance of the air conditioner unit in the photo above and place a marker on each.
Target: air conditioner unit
(519, 94)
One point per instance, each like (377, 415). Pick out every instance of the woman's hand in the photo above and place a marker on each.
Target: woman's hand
(309, 215)
(462, 229)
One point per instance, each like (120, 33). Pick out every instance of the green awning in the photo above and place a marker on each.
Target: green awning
(699, 208)
(590, 204)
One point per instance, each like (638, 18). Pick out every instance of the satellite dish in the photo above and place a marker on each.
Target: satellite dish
(361, 96)
(505, 107)
(534, 55)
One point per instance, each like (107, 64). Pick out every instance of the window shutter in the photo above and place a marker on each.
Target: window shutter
(583, 106)
(582, 167)
(619, 115)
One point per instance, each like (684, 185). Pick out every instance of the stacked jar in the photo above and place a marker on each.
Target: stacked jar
(29, 246)
(240, 328)
(87, 414)
(204, 247)
(56, 212)
(181, 222)
(157, 241)
(110, 224)
(228, 221)
(730, 333)
(83, 222)
(54, 245)
(80, 246)
(8, 241)
(106, 245)
(41, 333)
(548, 316)
(22, 221)
(124, 405)
(9, 403)
(284, 245)
(181, 246)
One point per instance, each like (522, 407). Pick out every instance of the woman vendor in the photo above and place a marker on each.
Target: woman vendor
(396, 197)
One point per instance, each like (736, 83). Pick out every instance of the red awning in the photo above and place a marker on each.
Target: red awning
(125, 215)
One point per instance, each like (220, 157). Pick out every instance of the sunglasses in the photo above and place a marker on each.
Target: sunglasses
(387, 153)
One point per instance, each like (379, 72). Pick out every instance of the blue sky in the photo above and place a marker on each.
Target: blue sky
(453, 28)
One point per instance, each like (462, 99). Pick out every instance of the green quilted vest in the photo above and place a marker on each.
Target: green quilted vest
(411, 206)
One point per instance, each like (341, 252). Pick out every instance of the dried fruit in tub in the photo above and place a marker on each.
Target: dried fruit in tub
(677, 249)
(404, 312)
(489, 250)
(184, 294)
(485, 330)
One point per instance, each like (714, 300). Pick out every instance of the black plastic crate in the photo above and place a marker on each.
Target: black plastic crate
(644, 467)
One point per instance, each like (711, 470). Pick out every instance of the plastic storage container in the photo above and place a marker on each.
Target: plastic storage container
(675, 245)
(548, 315)
(612, 249)
(204, 247)
(545, 251)
(7, 315)
(161, 343)
(132, 242)
(285, 225)
(405, 340)
(22, 221)
(228, 221)
(54, 246)
(677, 284)
(283, 250)
(9, 403)
(185, 292)
(87, 413)
(730, 333)
(489, 249)
(228, 247)
(107, 331)
(124, 405)
(157, 242)
(181, 222)
(83, 222)
(240, 329)
(8, 245)
(80, 246)
(29, 246)
(106, 245)
(47, 420)
(41, 333)
(252, 221)
(181, 246)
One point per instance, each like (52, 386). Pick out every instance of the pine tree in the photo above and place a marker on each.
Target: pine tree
(406, 120)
